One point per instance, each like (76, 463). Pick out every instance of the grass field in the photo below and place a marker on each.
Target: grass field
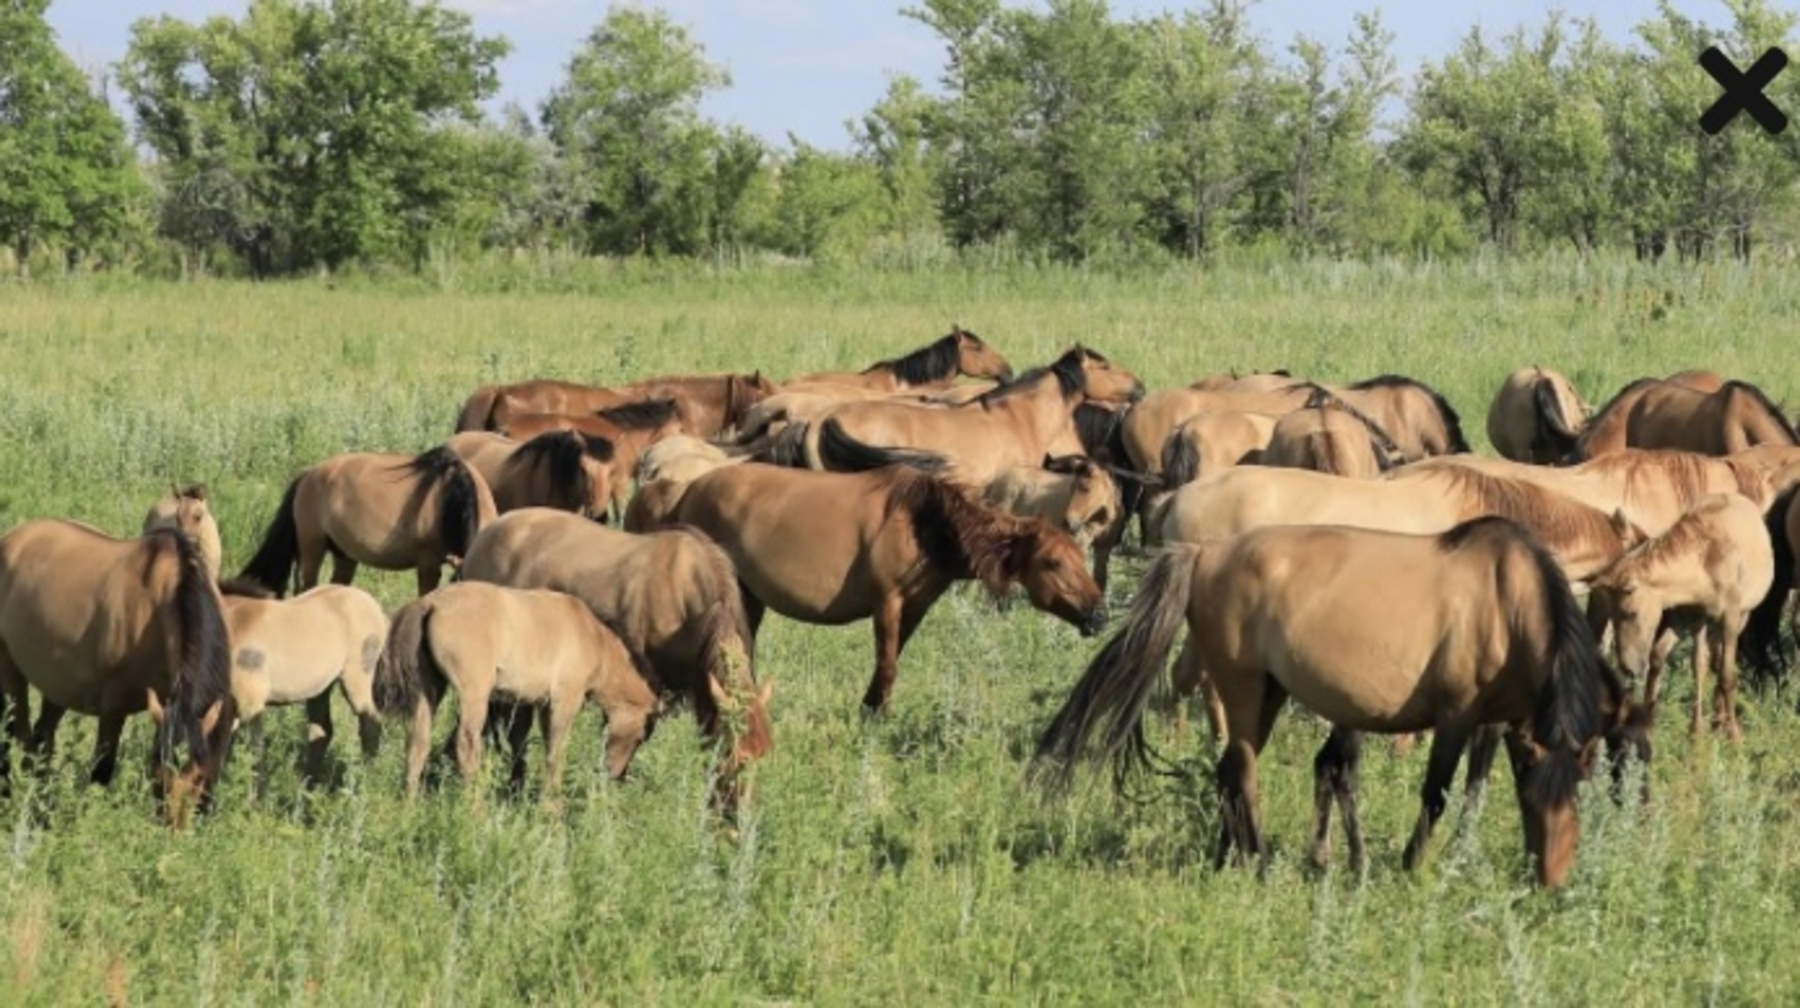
(899, 862)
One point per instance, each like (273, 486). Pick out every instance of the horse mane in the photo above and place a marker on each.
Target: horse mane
(1066, 368)
(1446, 412)
(243, 587)
(598, 447)
(645, 414)
(1686, 471)
(459, 513)
(724, 629)
(558, 455)
(1324, 398)
(1688, 534)
(1099, 430)
(1551, 516)
(1761, 399)
(958, 536)
(202, 675)
(930, 363)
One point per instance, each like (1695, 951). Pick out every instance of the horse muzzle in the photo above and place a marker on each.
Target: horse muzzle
(1094, 621)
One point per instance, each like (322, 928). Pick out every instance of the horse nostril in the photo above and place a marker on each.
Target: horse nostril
(1094, 622)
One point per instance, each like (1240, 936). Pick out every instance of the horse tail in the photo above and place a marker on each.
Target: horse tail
(1759, 646)
(1112, 694)
(839, 452)
(1180, 460)
(787, 448)
(459, 500)
(478, 410)
(407, 670)
(273, 564)
(200, 675)
(1549, 424)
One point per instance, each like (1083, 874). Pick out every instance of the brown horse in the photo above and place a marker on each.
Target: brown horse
(933, 366)
(108, 627)
(1071, 492)
(835, 548)
(1650, 413)
(1016, 424)
(1492, 636)
(287, 651)
(390, 512)
(708, 404)
(630, 428)
(672, 595)
(1328, 438)
(563, 469)
(520, 646)
(1536, 416)
(1260, 381)
(1705, 573)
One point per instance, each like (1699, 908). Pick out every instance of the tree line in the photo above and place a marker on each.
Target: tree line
(311, 134)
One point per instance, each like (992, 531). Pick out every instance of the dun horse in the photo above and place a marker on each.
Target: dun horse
(1650, 413)
(1492, 636)
(683, 459)
(835, 548)
(1071, 492)
(672, 595)
(387, 511)
(520, 646)
(107, 627)
(562, 469)
(1330, 438)
(1536, 416)
(707, 404)
(1706, 573)
(934, 366)
(630, 430)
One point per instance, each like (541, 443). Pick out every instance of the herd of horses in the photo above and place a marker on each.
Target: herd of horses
(1336, 545)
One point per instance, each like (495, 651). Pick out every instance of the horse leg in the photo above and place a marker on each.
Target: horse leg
(418, 743)
(889, 615)
(1702, 659)
(1659, 660)
(15, 705)
(430, 574)
(558, 718)
(42, 745)
(1447, 743)
(1334, 777)
(754, 610)
(517, 718)
(318, 737)
(360, 695)
(1482, 749)
(1247, 731)
(471, 722)
(343, 571)
(106, 741)
(1725, 706)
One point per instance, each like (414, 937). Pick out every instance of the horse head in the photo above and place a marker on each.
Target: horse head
(976, 359)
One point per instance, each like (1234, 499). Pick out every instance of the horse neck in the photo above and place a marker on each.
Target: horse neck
(1043, 410)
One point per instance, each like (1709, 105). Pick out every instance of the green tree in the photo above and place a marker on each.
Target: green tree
(894, 138)
(66, 174)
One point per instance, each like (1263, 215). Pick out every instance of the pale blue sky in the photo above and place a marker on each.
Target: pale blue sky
(809, 65)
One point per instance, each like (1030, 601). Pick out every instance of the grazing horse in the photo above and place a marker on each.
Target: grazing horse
(708, 404)
(1328, 437)
(563, 469)
(287, 651)
(520, 646)
(834, 548)
(108, 627)
(1705, 573)
(1650, 413)
(1071, 492)
(672, 595)
(1584, 540)
(1536, 416)
(1016, 424)
(1492, 636)
(631, 428)
(934, 366)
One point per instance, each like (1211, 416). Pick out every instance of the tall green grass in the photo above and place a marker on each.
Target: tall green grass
(893, 862)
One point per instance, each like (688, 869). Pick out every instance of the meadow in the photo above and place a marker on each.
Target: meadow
(894, 862)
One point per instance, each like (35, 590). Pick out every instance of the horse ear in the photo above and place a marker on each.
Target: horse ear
(154, 705)
(210, 719)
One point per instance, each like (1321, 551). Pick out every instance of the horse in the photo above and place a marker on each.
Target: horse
(707, 404)
(1016, 424)
(1071, 492)
(1536, 416)
(521, 646)
(390, 512)
(1205, 444)
(1652, 488)
(682, 458)
(286, 651)
(1650, 413)
(835, 548)
(1148, 427)
(1260, 381)
(560, 468)
(1492, 636)
(1706, 573)
(933, 366)
(630, 428)
(109, 627)
(1328, 438)
(1760, 644)
(1584, 540)
(671, 595)
(1418, 419)
(185, 510)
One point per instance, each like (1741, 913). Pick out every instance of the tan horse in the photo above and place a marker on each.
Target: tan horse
(934, 366)
(708, 404)
(1659, 414)
(631, 429)
(672, 595)
(1261, 381)
(1536, 416)
(1705, 573)
(390, 512)
(563, 469)
(1203, 446)
(683, 458)
(836, 548)
(288, 651)
(1419, 420)
(1651, 488)
(1151, 423)
(1017, 424)
(1071, 492)
(1583, 539)
(1491, 636)
(185, 510)
(1328, 438)
(107, 627)
(520, 646)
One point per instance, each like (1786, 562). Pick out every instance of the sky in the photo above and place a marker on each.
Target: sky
(807, 67)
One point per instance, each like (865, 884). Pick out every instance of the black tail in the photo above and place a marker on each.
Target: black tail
(1111, 696)
(1759, 647)
(459, 501)
(406, 670)
(273, 565)
(201, 674)
(839, 452)
(1550, 429)
(787, 448)
(1180, 459)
